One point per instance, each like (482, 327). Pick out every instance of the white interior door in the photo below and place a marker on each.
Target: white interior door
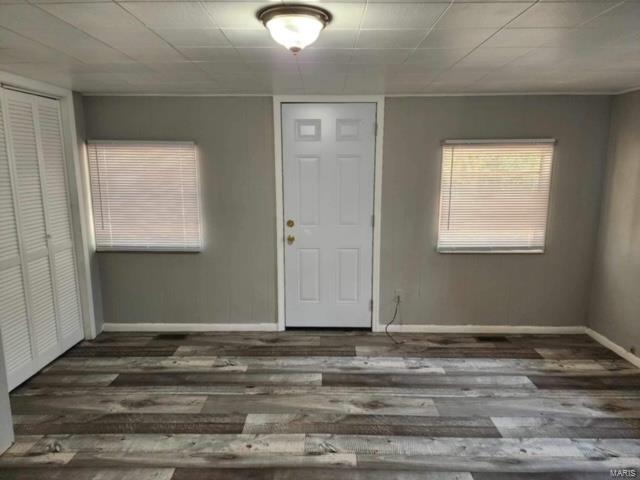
(39, 302)
(328, 157)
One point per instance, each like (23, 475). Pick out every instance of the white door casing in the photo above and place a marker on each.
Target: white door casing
(328, 155)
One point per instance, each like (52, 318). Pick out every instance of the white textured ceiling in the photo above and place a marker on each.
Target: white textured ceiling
(392, 47)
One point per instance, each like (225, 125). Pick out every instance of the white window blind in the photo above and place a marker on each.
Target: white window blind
(145, 195)
(494, 196)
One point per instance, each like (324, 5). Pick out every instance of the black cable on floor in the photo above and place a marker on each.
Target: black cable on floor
(386, 327)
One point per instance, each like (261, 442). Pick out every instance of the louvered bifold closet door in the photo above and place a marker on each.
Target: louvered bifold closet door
(43, 222)
(14, 318)
(33, 231)
(59, 222)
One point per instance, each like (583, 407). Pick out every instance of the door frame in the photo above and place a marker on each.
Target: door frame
(378, 100)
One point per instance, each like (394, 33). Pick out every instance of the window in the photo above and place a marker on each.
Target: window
(494, 195)
(145, 195)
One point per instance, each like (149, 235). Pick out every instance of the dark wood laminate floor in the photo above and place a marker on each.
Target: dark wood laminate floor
(331, 405)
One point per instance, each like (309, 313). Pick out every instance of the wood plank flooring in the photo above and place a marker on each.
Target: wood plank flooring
(328, 405)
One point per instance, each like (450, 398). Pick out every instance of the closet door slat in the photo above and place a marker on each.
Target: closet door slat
(53, 159)
(59, 221)
(14, 322)
(23, 139)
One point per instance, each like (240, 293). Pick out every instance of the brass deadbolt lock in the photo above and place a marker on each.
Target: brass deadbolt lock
(290, 223)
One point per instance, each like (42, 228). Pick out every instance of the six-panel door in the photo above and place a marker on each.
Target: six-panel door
(328, 172)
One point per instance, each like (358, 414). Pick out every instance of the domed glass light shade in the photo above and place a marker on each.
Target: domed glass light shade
(294, 26)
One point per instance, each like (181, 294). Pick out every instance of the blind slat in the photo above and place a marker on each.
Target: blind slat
(145, 195)
(494, 196)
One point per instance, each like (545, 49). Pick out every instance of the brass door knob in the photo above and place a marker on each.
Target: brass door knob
(291, 239)
(290, 223)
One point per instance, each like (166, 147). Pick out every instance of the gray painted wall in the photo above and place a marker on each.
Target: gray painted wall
(490, 289)
(233, 279)
(615, 305)
(6, 424)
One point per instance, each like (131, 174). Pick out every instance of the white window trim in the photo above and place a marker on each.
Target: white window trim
(499, 250)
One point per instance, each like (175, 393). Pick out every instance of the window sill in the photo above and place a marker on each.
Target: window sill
(148, 250)
(537, 251)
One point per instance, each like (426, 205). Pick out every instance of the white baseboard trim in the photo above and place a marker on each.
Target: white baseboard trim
(496, 329)
(190, 327)
(614, 347)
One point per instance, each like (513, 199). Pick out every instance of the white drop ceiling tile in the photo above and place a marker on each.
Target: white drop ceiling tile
(623, 17)
(346, 16)
(437, 58)
(220, 68)
(42, 2)
(492, 57)
(549, 15)
(87, 16)
(402, 15)
(171, 68)
(323, 68)
(364, 85)
(28, 17)
(110, 68)
(481, 15)
(379, 56)
(545, 57)
(273, 55)
(211, 54)
(75, 43)
(625, 40)
(281, 80)
(449, 87)
(159, 53)
(122, 38)
(193, 37)
(335, 38)
(390, 38)
(622, 59)
(370, 69)
(155, 78)
(245, 37)
(321, 55)
(29, 51)
(319, 85)
(456, 37)
(525, 37)
(170, 14)
(276, 67)
(463, 74)
(235, 14)
(584, 38)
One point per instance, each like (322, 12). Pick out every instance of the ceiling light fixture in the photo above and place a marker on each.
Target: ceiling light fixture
(294, 26)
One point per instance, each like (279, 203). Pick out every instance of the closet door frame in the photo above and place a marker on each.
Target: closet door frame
(77, 181)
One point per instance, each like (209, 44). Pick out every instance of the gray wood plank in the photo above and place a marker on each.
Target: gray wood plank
(370, 425)
(269, 378)
(68, 473)
(356, 404)
(132, 403)
(433, 381)
(571, 427)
